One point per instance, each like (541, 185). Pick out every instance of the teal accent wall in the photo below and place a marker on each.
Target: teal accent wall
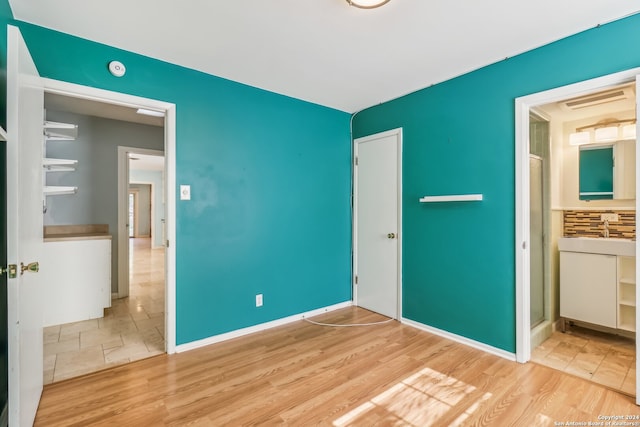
(459, 264)
(5, 17)
(270, 187)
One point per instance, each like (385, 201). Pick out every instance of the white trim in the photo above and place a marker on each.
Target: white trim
(398, 134)
(259, 328)
(522, 107)
(152, 214)
(460, 339)
(116, 98)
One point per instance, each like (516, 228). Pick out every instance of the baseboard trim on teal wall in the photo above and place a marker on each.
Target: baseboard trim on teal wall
(460, 339)
(258, 328)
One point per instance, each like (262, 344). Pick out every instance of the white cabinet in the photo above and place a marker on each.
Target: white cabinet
(78, 285)
(588, 285)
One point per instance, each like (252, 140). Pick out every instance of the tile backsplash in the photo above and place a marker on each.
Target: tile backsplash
(579, 223)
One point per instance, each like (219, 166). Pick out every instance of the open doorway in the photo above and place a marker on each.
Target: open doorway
(576, 225)
(133, 327)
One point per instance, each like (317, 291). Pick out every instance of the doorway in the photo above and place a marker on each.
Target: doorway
(587, 104)
(378, 223)
(151, 327)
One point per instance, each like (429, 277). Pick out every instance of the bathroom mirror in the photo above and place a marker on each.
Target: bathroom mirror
(607, 171)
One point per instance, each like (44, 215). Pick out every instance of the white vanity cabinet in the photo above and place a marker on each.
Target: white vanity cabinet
(78, 272)
(588, 287)
(598, 281)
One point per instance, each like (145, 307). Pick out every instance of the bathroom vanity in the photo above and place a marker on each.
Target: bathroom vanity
(597, 281)
(77, 265)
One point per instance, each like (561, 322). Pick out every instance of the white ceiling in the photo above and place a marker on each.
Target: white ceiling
(146, 162)
(325, 51)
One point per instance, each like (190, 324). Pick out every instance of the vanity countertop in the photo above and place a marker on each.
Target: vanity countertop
(597, 245)
(61, 233)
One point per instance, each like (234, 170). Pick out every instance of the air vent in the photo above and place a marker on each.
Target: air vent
(593, 99)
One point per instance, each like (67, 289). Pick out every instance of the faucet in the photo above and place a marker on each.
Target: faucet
(606, 229)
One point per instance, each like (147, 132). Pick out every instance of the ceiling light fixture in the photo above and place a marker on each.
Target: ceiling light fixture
(367, 4)
(150, 112)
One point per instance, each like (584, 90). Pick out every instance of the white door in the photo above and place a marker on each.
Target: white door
(25, 101)
(377, 222)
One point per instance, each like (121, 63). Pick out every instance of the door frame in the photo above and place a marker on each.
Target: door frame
(152, 226)
(523, 105)
(354, 225)
(169, 109)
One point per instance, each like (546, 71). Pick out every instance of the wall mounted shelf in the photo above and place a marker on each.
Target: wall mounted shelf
(55, 131)
(59, 165)
(452, 198)
(3, 134)
(50, 190)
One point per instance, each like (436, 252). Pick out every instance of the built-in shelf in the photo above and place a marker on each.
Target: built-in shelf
(627, 302)
(59, 165)
(452, 198)
(59, 190)
(628, 280)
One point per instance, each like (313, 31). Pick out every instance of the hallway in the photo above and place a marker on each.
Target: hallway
(132, 328)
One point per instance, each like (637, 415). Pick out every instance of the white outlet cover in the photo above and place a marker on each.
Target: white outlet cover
(185, 192)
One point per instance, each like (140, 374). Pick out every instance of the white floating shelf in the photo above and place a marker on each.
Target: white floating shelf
(59, 165)
(452, 198)
(58, 190)
(55, 131)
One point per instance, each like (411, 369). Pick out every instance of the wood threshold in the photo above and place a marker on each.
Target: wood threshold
(303, 374)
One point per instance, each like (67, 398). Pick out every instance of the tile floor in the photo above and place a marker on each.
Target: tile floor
(132, 328)
(606, 359)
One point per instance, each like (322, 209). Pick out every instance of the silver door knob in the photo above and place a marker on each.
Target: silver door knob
(391, 235)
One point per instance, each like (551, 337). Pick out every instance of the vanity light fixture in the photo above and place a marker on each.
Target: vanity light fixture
(579, 138)
(367, 4)
(607, 130)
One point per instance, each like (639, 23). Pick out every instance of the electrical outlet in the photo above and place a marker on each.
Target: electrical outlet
(259, 300)
(611, 217)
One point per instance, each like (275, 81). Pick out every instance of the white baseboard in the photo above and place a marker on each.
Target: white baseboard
(114, 295)
(258, 328)
(460, 339)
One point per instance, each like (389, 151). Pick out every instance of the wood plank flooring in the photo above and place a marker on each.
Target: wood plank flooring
(303, 374)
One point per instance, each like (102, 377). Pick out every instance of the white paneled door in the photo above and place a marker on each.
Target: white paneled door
(25, 101)
(377, 222)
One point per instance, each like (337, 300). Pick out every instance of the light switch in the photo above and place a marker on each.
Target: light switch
(185, 192)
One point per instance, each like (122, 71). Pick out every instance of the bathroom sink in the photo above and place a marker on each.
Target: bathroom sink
(597, 245)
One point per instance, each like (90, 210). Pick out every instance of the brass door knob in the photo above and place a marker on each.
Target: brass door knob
(33, 267)
(391, 235)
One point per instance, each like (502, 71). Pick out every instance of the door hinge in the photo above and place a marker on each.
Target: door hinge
(356, 279)
(356, 161)
(12, 270)
(167, 243)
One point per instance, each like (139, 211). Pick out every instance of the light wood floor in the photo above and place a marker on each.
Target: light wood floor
(303, 374)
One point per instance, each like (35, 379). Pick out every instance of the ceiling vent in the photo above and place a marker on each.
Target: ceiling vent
(599, 98)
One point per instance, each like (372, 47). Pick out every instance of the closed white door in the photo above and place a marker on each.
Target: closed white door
(25, 103)
(377, 214)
